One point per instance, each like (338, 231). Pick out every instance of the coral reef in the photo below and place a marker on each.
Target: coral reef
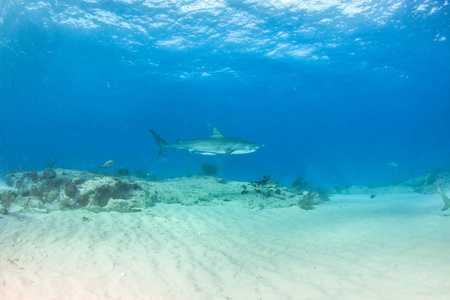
(266, 181)
(427, 182)
(63, 189)
(70, 189)
(424, 184)
(305, 199)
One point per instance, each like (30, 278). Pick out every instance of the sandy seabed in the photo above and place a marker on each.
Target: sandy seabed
(395, 246)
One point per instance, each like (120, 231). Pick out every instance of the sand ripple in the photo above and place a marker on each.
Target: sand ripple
(348, 249)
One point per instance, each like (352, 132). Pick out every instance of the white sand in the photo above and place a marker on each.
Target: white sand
(353, 247)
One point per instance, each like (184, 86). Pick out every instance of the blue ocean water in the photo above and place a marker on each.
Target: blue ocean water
(339, 91)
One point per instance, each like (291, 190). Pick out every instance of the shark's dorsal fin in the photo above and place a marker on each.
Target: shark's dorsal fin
(217, 133)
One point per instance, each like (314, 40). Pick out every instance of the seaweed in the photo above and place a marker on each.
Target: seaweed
(312, 198)
(122, 172)
(50, 163)
(209, 169)
(300, 184)
(6, 199)
(323, 194)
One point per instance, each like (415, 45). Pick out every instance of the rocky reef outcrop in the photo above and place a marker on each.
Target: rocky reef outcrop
(64, 189)
(71, 189)
(423, 184)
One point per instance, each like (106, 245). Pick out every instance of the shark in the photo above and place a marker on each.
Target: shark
(445, 198)
(217, 143)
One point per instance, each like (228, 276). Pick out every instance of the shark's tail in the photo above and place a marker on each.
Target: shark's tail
(162, 143)
(445, 198)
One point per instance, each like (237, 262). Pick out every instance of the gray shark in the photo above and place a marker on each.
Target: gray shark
(217, 143)
(444, 198)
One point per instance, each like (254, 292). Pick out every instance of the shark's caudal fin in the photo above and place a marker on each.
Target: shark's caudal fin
(445, 198)
(162, 143)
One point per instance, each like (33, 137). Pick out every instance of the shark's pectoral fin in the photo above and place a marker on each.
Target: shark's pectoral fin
(229, 151)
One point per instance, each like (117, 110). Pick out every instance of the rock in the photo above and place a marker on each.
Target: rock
(67, 203)
(49, 197)
(48, 173)
(70, 189)
(121, 205)
(77, 180)
(33, 175)
(33, 203)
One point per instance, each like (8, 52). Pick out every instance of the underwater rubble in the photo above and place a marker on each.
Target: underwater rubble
(64, 189)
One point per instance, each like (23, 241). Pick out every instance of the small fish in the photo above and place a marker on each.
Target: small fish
(109, 163)
(217, 143)
(393, 164)
(445, 198)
